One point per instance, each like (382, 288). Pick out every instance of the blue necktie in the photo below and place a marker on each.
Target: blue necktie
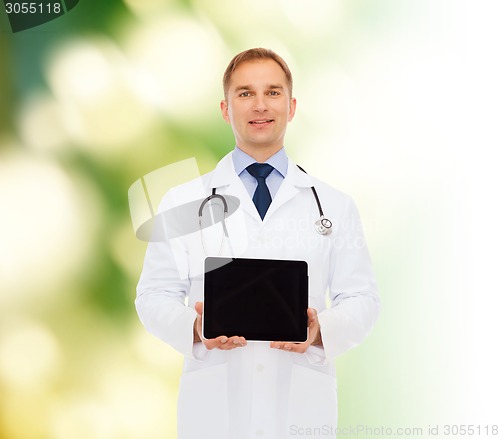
(262, 196)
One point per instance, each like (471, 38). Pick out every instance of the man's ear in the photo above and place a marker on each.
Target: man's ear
(293, 106)
(224, 109)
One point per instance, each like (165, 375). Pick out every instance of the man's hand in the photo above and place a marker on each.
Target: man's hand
(222, 342)
(313, 339)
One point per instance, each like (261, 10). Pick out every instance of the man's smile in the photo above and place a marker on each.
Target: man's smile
(261, 121)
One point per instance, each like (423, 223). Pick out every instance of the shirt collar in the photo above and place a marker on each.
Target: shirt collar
(242, 160)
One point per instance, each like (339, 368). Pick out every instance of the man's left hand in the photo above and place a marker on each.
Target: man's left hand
(314, 337)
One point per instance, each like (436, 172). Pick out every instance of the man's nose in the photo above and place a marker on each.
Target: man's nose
(259, 103)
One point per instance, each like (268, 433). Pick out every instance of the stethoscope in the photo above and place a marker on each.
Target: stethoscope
(323, 225)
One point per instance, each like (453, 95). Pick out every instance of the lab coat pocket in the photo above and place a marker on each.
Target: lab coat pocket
(312, 403)
(202, 399)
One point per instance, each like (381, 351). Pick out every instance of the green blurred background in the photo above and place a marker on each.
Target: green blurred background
(397, 105)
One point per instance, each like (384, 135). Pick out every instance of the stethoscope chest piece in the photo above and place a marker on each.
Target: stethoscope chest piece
(323, 226)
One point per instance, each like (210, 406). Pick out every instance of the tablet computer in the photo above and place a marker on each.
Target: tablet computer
(259, 299)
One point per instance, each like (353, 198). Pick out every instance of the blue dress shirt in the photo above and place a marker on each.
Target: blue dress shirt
(278, 161)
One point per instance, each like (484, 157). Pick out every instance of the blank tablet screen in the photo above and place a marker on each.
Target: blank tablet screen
(259, 299)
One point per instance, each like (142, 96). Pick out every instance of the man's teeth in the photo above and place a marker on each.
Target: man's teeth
(261, 121)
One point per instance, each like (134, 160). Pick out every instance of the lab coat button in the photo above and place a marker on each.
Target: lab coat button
(259, 432)
(260, 368)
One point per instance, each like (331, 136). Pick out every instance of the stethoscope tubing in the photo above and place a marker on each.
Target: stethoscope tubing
(323, 225)
(320, 209)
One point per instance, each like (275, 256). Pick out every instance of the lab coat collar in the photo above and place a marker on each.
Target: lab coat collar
(225, 181)
(225, 175)
(295, 179)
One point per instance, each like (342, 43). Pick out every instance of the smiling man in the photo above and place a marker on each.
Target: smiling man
(258, 104)
(232, 387)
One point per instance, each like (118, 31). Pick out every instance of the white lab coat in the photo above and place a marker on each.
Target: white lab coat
(256, 391)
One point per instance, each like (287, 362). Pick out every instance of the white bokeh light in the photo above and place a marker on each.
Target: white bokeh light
(29, 355)
(181, 59)
(91, 80)
(46, 229)
(83, 69)
(41, 123)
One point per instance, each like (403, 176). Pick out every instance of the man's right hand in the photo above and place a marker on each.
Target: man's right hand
(222, 342)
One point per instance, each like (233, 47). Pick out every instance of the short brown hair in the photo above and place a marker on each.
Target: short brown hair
(255, 55)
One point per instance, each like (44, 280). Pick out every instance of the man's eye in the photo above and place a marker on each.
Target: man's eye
(245, 94)
(274, 93)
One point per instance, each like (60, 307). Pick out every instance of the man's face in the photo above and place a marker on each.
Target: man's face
(258, 106)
